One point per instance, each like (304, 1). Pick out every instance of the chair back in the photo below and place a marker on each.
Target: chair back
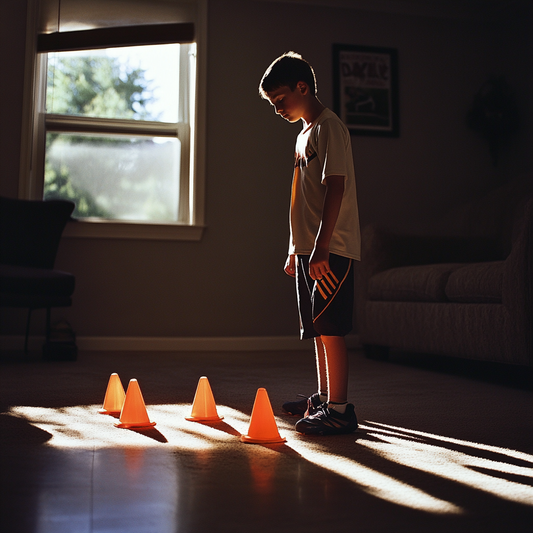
(30, 230)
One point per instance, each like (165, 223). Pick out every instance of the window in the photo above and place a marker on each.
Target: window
(118, 128)
(113, 118)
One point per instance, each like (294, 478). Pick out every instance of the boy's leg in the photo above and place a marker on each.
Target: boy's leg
(331, 314)
(304, 288)
(330, 350)
(309, 405)
(336, 362)
(321, 367)
(337, 416)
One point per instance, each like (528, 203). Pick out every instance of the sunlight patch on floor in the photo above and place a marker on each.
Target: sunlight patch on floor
(462, 462)
(83, 427)
(376, 483)
(433, 454)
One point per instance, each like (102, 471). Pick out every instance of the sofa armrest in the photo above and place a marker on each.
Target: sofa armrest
(518, 267)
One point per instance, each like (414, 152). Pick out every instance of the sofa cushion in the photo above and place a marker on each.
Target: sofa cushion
(424, 283)
(476, 283)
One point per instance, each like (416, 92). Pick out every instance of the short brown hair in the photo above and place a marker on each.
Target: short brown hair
(287, 70)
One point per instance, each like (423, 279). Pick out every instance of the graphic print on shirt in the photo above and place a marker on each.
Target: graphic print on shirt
(302, 160)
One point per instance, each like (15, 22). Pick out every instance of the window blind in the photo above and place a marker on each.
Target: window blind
(115, 37)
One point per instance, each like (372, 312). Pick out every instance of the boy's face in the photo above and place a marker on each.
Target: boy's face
(291, 105)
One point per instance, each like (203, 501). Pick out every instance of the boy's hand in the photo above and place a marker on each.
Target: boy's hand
(290, 266)
(319, 263)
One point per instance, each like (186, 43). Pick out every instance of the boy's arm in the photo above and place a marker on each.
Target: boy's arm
(319, 260)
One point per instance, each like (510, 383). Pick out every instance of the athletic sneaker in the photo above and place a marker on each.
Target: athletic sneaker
(328, 422)
(304, 407)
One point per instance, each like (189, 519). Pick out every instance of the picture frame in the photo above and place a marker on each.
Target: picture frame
(365, 89)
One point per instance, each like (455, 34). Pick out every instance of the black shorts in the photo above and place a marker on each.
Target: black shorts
(326, 305)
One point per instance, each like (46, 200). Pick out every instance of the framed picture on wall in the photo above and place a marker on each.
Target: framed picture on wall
(365, 83)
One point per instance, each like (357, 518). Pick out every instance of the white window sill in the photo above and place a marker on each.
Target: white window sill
(109, 229)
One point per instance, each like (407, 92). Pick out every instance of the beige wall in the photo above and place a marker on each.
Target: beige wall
(231, 283)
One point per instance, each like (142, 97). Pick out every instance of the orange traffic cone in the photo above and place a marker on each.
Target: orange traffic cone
(133, 414)
(204, 408)
(114, 396)
(263, 428)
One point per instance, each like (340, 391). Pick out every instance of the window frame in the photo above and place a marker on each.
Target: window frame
(36, 121)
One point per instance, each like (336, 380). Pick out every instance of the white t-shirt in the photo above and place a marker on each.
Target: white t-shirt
(323, 149)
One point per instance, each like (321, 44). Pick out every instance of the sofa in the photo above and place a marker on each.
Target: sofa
(461, 289)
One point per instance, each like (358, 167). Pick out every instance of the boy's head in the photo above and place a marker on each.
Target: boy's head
(286, 71)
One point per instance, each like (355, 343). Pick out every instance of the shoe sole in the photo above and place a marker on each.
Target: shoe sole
(325, 433)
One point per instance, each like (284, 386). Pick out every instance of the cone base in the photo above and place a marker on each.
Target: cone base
(252, 440)
(135, 426)
(106, 412)
(204, 418)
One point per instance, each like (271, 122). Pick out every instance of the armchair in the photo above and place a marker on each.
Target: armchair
(30, 232)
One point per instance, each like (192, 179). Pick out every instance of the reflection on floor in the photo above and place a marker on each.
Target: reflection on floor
(66, 468)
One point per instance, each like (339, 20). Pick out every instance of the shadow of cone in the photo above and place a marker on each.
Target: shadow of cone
(263, 428)
(133, 414)
(114, 397)
(204, 408)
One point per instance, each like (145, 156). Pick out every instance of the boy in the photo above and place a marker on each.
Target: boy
(324, 240)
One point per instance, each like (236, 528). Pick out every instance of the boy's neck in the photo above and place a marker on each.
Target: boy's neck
(313, 111)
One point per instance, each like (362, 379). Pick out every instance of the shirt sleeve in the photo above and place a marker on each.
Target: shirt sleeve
(331, 149)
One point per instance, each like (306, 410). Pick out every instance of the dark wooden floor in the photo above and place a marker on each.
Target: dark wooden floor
(437, 450)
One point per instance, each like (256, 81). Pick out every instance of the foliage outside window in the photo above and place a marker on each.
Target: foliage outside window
(118, 131)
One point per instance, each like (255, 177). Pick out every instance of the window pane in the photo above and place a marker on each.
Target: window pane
(137, 82)
(115, 176)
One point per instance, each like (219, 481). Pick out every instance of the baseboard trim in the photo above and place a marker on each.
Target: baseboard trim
(176, 344)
